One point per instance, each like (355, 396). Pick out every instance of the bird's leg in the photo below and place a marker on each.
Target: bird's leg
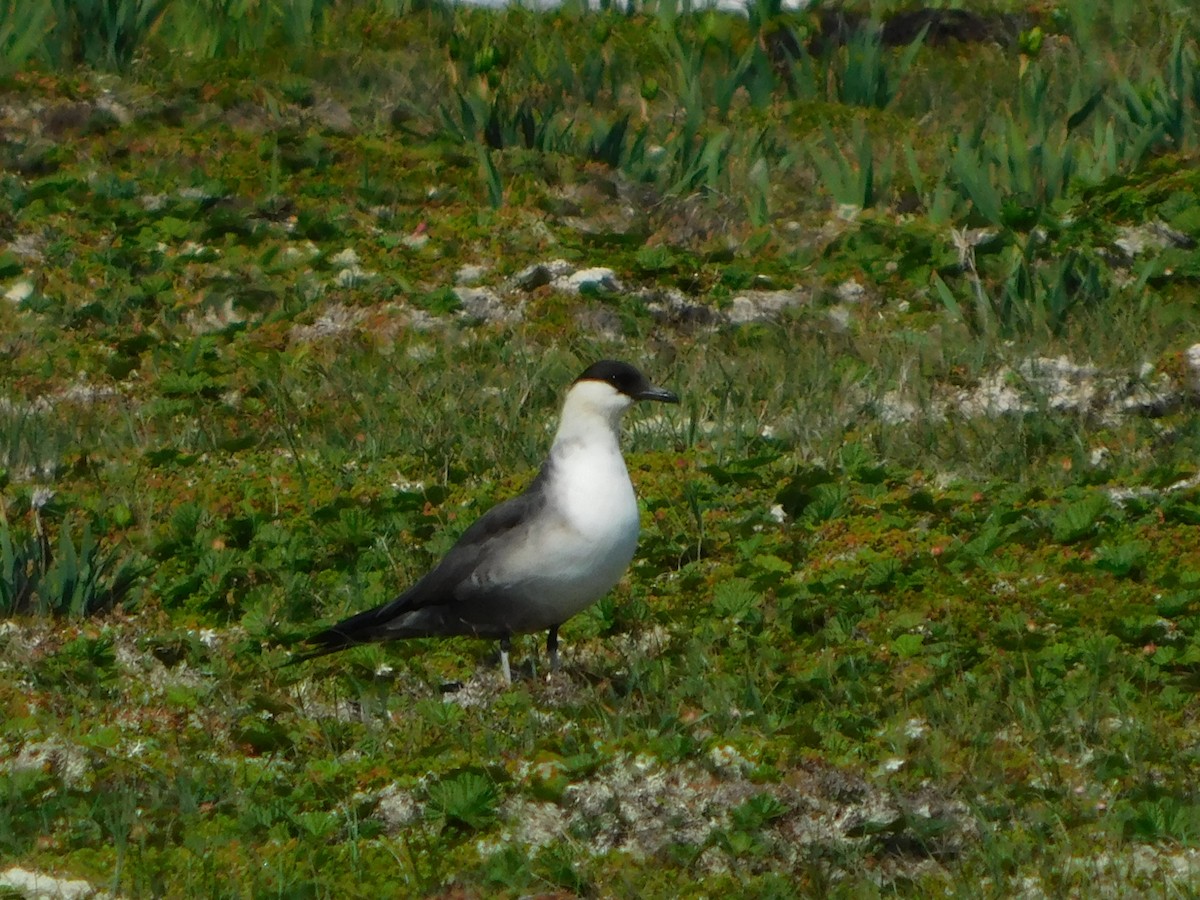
(505, 646)
(552, 647)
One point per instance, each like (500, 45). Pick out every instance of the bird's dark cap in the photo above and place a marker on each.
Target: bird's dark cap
(626, 379)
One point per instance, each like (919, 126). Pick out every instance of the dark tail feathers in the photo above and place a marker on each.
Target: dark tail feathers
(360, 628)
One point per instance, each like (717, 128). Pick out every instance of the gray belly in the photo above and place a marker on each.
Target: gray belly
(548, 582)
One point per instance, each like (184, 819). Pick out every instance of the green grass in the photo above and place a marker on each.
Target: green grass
(879, 638)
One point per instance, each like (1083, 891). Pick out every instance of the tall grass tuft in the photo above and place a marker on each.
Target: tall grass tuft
(862, 74)
(104, 34)
(24, 25)
(42, 576)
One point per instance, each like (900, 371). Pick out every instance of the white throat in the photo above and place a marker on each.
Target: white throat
(590, 483)
(591, 415)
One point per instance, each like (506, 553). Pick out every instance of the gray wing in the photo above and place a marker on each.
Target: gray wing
(433, 605)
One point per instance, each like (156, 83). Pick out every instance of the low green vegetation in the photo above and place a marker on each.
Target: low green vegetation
(289, 293)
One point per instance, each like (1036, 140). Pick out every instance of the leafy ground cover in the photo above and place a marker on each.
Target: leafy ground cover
(290, 296)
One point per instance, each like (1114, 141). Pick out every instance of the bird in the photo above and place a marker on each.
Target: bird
(533, 561)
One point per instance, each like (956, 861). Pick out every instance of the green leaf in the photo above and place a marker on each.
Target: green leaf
(734, 599)
(491, 178)
(768, 562)
(909, 645)
(1080, 115)
(1079, 519)
(466, 799)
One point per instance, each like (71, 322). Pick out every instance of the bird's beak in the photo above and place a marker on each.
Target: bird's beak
(657, 393)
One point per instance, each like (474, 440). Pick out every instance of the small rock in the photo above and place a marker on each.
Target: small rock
(875, 814)
(399, 808)
(1134, 240)
(742, 310)
(352, 277)
(336, 320)
(598, 279)
(65, 761)
(851, 291)
(333, 117)
(153, 202)
(83, 393)
(539, 274)
(197, 195)
(470, 274)
(602, 322)
(1191, 357)
(726, 757)
(894, 408)
(1067, 386)
(27, 246)
(19, 291)
(484, 305)
(675, 308)
(346, 259)
(42, 886)
(532, 277)
(1152, 400)
(1172, 236)
(40, 156)
(993, 398)
(293, 254)
(418, 238)
(248, 118)
(108, 104)
(839, 317)
(763, 306)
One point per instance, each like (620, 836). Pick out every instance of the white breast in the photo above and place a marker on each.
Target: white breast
(591, 488)
(584, 541)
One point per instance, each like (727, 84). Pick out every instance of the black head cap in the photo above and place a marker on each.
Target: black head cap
(626, 379)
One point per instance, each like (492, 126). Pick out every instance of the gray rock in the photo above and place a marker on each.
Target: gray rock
(470, 274)
(532, 277)
(1192, 357)
(484, 305)
(851, 291)
(1134, 240)
(108, 104)
(673, 307)
(540, 274)
(43, 886)
(764, 306)
(333, 322)
(598, 279)
(601, 322)
(1054, 383)
(399, 808)
(333, 117)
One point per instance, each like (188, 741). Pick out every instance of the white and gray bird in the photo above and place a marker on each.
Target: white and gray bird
(532, 562)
